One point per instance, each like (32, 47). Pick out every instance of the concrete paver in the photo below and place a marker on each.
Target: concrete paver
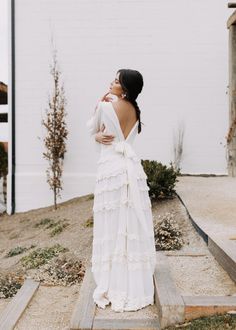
(211, 202)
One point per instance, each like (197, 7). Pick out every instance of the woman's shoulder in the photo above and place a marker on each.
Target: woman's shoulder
(125, 109)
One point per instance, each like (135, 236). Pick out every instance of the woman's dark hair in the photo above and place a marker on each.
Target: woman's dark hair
(132, 83)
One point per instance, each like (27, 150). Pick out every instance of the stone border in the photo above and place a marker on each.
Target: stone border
(200, 231)
(125, 324)
(16, 307)
(167, 298)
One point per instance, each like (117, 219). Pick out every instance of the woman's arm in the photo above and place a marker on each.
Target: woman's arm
(103, 138)
(100, 136)
(94, 123)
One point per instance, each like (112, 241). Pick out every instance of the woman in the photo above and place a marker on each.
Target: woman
(123, 256)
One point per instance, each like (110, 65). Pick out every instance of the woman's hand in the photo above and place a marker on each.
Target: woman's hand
(104, 138)
(106, 98)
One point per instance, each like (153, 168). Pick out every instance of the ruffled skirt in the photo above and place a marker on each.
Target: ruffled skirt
(123, 256)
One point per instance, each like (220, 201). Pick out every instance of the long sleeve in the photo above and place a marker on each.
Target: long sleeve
(94, 124)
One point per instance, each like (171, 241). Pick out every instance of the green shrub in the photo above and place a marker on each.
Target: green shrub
(160, 179)
(3, 161)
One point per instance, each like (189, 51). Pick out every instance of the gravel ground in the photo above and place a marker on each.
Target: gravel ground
(52, 306)
(52, 313)
(199, 274)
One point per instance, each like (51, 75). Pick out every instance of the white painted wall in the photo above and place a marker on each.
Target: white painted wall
(180, 47)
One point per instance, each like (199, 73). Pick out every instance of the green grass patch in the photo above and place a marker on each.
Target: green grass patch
(18, 250)
(44, 222)
(56, 226)
(41, 256)
(214, 322)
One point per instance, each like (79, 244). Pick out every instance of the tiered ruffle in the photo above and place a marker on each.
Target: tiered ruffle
(124, 257)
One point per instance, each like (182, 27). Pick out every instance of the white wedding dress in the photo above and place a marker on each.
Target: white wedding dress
(123, 255)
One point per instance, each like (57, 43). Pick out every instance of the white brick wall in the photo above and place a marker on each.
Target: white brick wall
(180, 47)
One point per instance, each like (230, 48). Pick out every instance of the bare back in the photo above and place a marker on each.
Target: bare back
(126, 115)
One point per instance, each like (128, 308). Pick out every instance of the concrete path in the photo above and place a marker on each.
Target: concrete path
(211, 202)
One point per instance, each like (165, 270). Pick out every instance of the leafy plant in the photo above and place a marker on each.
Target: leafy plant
(41, 256)
(44, 222)
(18, 250)
(9, 285)
(167, 234)
(63, 271)
(160, 179)
(57, 226)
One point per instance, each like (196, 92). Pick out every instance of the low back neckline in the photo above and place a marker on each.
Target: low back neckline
(118, 121)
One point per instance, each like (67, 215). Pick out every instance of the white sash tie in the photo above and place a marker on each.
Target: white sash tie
(126, 149)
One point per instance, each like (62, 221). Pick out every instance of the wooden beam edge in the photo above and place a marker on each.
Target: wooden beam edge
(16, 307)
(209, 300)
(168, 299)
(126, 324)
(84, 310)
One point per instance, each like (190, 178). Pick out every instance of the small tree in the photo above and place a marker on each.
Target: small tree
(56, 131)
